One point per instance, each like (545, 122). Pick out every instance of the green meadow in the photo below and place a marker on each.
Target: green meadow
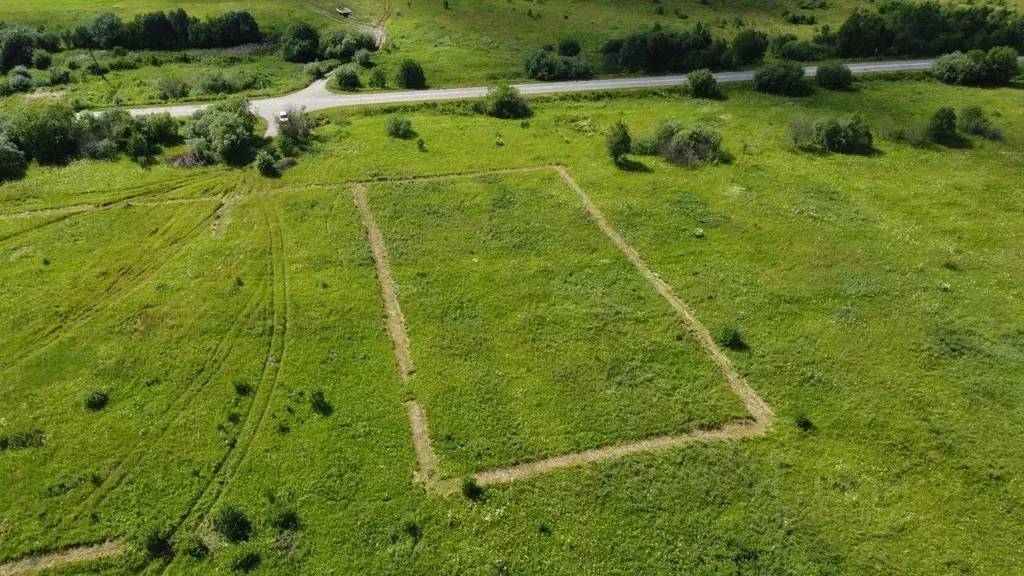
(236, 326)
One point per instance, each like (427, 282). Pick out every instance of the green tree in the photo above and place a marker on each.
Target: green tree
(619, 142)
(411, 76)
(347, 78)
(48, 133)
(301, 43)
(942, 126)
(224, 132)
(749, 46)
(504, 101)
(703, 84)
(12, 161)
(834, 76)
(781, 77)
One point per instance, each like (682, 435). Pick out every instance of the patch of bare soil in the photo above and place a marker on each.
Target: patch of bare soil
(393, 312)
(57, 559)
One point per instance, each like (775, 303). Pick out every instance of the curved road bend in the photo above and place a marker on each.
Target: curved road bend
(316, 96)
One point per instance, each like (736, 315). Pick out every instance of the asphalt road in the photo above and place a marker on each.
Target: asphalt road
(316, 96)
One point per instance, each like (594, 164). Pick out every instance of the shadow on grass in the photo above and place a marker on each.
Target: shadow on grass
(627, 165)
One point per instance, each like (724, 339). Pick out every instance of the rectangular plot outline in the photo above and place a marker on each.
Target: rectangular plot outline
(428, 473)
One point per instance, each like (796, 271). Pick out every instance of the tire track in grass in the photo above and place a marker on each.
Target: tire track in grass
(428, 473)
(125, 284)
(181, 403)
(197, 514)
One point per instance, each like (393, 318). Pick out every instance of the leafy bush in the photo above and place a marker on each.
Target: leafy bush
(733, 340)
(834, 76)
(694, 146)
(546, 65)
(411, 76)
(659, 139)
(801, 131)
(619, 142)
(224, 132)
(286, 519)
(973, 120)
(568, 47)
(852, 136)
(18, 83)
(158, 545)
(297, 128)
(232, 523)
(59, 76)
(317, 70)
(471, 490)
(96, 400)
(781, 77)
(320, 404)
(703, 84)
(266, 163)
(217, 83)
(657, 51)
(172, 87)
(364, 58)
(242, 388)
(12, 161)
(976, 68)
(33, 438)
(749, 46)
(301, 43)
(378, 79)
(504, 101)
(41, 59)
(341, 45)
(48, 133)
(347, 78)
(942, 126)
(195, 547)
(246, 562)
(399, 127)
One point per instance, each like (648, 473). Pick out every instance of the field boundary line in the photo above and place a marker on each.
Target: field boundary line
(62, 558)
(428, 472)
(755, 405)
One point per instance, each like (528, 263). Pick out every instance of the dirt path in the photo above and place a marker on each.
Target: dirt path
(758, 409)
(393, 312)
(57, 559)
(429, 474)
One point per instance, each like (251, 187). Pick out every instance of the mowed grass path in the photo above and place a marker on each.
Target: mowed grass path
(531, 334)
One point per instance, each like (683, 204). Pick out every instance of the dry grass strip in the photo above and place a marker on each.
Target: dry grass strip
(428, 473)
(58, 559)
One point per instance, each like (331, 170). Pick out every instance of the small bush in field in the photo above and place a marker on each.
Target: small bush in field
(232, 523)
(703, 84)
(733, 340)
(399, 127)
(471, 490)
(96, 400)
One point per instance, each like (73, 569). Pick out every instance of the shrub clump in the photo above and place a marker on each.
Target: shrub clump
(834, 76)
(224, 132)
(850, 136)
(678, 144)
(547, 65)
(13, 164)
(266, 162)
(504, 101)
(232, 523)
(33, 438)
(319, 403)
(619, 142)
(195, 547)
(733, 340)
(96, 400)
(399, 127)
(942, 126)
(703, 84)
(347, 78)
(781, 77)
(471, 490)
(301, 43)
(977, 68)
(973, 120)
(410, 75)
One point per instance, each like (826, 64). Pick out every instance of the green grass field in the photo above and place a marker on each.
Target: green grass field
(880, 297)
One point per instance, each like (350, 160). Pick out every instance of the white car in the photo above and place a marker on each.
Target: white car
(283, 116)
